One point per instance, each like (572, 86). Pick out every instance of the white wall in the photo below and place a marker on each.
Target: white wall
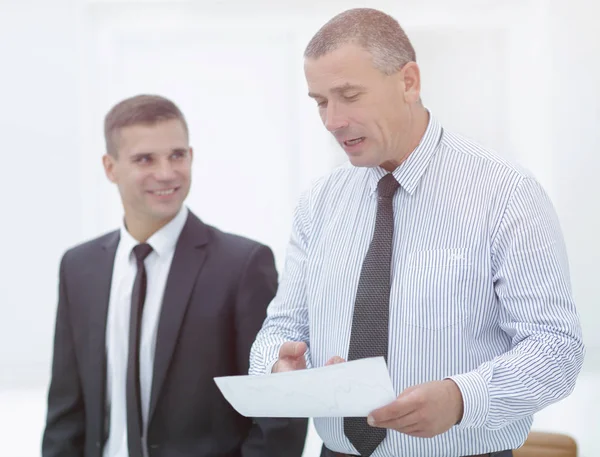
(519, 76)
(574, 129)
(40, 181)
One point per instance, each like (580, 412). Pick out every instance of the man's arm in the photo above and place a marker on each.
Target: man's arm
(268, 436)
(531, 280)
(64, 434)
(287, 315)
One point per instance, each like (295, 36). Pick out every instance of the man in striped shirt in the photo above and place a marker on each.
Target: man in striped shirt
(463, 248)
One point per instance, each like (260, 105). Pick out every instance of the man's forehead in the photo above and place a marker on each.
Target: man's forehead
(136, 139)
(152, 127)
(339, 70)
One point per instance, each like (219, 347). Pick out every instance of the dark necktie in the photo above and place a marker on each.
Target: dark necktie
(369, 337)
(133, 400)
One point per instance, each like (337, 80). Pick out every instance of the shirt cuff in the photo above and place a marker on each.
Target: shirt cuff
(269, 366)
(476, 399)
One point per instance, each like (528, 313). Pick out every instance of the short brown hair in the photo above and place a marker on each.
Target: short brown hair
(373, 30)
(140, 109)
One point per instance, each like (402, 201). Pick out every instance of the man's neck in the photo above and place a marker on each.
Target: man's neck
(141, 229)
(420, 121)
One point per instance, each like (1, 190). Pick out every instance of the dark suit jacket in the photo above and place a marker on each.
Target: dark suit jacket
(215, 302)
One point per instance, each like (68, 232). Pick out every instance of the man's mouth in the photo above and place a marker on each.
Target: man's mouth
(354, 141)
(163, 192)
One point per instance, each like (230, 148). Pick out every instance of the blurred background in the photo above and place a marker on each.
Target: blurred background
(518, 76)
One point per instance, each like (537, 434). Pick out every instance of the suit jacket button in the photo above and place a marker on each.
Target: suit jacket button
(98, 444)
(154, 446)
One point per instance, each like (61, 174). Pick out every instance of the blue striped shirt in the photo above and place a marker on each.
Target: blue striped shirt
(480, 291)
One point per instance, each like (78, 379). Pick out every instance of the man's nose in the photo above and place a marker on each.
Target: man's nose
(164, 170)
(334, 120)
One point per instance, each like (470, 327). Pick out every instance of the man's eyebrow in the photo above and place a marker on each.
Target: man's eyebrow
(140, 154)
(341, 89)
(346, 87)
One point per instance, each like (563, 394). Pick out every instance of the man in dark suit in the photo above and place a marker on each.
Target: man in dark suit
(149, 314)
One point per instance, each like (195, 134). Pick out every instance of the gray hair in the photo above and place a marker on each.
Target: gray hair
(373, 30)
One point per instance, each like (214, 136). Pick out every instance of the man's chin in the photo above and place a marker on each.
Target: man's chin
(164, 214)
(361, 161)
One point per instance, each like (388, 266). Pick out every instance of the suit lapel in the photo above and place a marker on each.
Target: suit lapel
(190, 254)
(100, 277)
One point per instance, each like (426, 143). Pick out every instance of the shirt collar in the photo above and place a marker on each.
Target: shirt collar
(410, 172)
(163, 241)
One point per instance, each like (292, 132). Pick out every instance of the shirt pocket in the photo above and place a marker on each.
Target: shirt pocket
(434, 288)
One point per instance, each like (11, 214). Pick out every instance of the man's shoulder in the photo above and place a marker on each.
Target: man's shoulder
(87, 247)
(341, 178)
(230, 242)
(234, 240)
(80, 258)
(232, 253)
(342, 175)
(497, 163)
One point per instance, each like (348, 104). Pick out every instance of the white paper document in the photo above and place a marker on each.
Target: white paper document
(349, 389)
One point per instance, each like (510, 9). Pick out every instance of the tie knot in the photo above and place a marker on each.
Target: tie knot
(141, 251)
(387, 186)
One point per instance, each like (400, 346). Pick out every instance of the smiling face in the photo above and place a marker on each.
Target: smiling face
(151, 166)
(369, 112)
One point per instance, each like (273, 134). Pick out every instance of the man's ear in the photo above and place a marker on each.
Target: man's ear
(108, 161)
(412, 82)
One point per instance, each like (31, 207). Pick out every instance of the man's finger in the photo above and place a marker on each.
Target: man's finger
(292, 349)
(335, 359)
(399, 408)
(289, 364)
(403, 424)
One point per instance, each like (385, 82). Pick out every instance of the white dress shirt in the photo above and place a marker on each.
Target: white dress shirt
(158, 264)
(480, 291)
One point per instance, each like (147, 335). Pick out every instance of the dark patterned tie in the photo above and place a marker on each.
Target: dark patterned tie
(133, 400)
(369, 337)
